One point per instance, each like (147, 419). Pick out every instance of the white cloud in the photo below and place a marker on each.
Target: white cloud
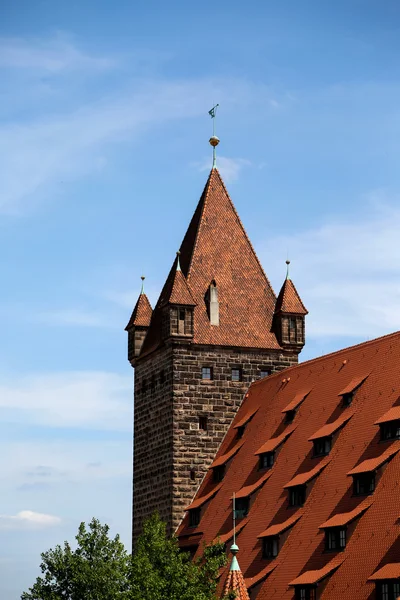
(28, 519)
(94, 400)
(348, 271)
(229, 168)
(52, 55)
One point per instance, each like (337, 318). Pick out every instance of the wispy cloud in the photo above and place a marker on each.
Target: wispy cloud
(28, 519)
(94, 400)
(53, 55)
(348, 271)
(230, 168)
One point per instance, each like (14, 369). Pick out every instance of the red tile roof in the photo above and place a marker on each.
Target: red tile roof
(373, 540)
(223, 458)
(203, 499)
(275, 442)
(391, 415)
(353, 384)
(216, 247)
(331, 428)
(180, 292)
(289, 300)
(141, 314)
(372, 464)
(235, 583)
(297, 400)
(279, 528)
(303, 478)
(312, 577)
(225, 537)
(341, 519)
(250, 582)
(389, 571)
(245, 419)
(247, 490)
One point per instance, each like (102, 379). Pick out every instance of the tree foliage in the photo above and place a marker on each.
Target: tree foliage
(99, 568)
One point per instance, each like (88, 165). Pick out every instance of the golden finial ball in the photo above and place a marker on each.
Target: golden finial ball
(214, 141)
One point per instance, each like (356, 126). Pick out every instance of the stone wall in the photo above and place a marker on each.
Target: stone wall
(171, 451)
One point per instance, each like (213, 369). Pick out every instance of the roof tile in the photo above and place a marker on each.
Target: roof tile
(279, 528)
(353, 384)
(141, 315)
(341, 519)
(391, 415)
(247, 490)
(223, 458)
(275, 442)
(297, 400)
(244, 420)
(180, 292)
(289, 300)
(303, 478)
(372, 464)
(312, 577)
(389, 571)
(331, 428)
(198, 502)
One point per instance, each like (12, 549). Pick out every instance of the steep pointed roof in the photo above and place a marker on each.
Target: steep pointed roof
(216, 248)
(289, 300)
(235, 580)
(142, 312)
(180, 292)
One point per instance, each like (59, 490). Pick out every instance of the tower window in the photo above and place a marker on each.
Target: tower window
(162, 376)
(297, 495)
(335, 538)
(203, 422)
(264, 373)
(267, 460)
(390, 431)
(292, 329)
(194, 517)
(322, 446)
(192, 475)
(207, 373)
(218, 473)
(181, 321)
(242, 507)
(364, 484)
(236, 375)
(270, 547)
(144, 386)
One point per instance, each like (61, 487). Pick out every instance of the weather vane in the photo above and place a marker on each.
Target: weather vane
(214, 141)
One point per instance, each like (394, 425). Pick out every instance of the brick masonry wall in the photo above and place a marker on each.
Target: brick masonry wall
(171, 452)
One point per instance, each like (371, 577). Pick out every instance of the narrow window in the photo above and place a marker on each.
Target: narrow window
(207, 373)
(385, 591)
(242, 507)
(347, 399)
(322, 446)
(264, 373)
(290, 414)
(297, 495)
(292, 329)
(364, 484)
(144, 386)
(390, 431)
(396, 589)
(153, 382)
(162, 377)
(192, 475)
(240, 431)
(218, 473)
(203, 422)
(270, 547)
(236, 375)
(194, 517)
(181, 321)
(267, 460)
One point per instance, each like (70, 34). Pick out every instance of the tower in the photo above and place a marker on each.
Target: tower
(214, 329)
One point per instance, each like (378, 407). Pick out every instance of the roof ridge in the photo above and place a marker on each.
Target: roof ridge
(330, 354)
(205, 194)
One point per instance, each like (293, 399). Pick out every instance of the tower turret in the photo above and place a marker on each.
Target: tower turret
(138, 325)
(289, 316)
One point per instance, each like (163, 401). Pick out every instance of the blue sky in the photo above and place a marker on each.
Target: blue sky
(103, 156)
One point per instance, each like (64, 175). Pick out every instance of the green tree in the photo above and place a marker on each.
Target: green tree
(160, 570)
(98, 569)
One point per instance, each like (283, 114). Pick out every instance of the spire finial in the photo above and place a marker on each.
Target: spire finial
(142, 278)
(287, 268)
(178, 264)
(214, 141)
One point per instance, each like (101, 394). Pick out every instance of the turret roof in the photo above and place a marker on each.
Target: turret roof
(289, 300)
(141, 314)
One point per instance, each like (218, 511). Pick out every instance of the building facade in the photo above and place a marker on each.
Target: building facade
(217, 326)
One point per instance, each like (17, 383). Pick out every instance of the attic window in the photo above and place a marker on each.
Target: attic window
(218, 473)
(267, 460)
(335, 538)
(270, 547)
(290, 415)
(388, 590)
(347, 399)
(242, 507)
(322, 446)
(306, 592)
(390, 430)
(240, 431)
(297, 495)
(364, 484)
(194, 517)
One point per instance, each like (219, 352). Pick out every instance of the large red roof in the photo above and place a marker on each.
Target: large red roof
(374, 536)
(216, 248)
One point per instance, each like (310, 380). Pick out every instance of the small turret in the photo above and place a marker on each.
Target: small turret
(138, 325)
(289, 316)
(235, 580)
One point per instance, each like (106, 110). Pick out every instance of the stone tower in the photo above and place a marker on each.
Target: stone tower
(216, 327)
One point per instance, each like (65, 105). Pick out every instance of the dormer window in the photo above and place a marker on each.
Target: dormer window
(242, 507)
(335, 538)
(267, 460)
(290, 415)
(364, 484)
(347, 399)
(390, 430)
(194, 517)
(240, 431)
(297, 495)
(218, 473)
(388, 590)
(322, 446)
(306, 592)
(270, 547)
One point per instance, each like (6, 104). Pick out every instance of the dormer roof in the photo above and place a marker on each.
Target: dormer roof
(141, 315)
